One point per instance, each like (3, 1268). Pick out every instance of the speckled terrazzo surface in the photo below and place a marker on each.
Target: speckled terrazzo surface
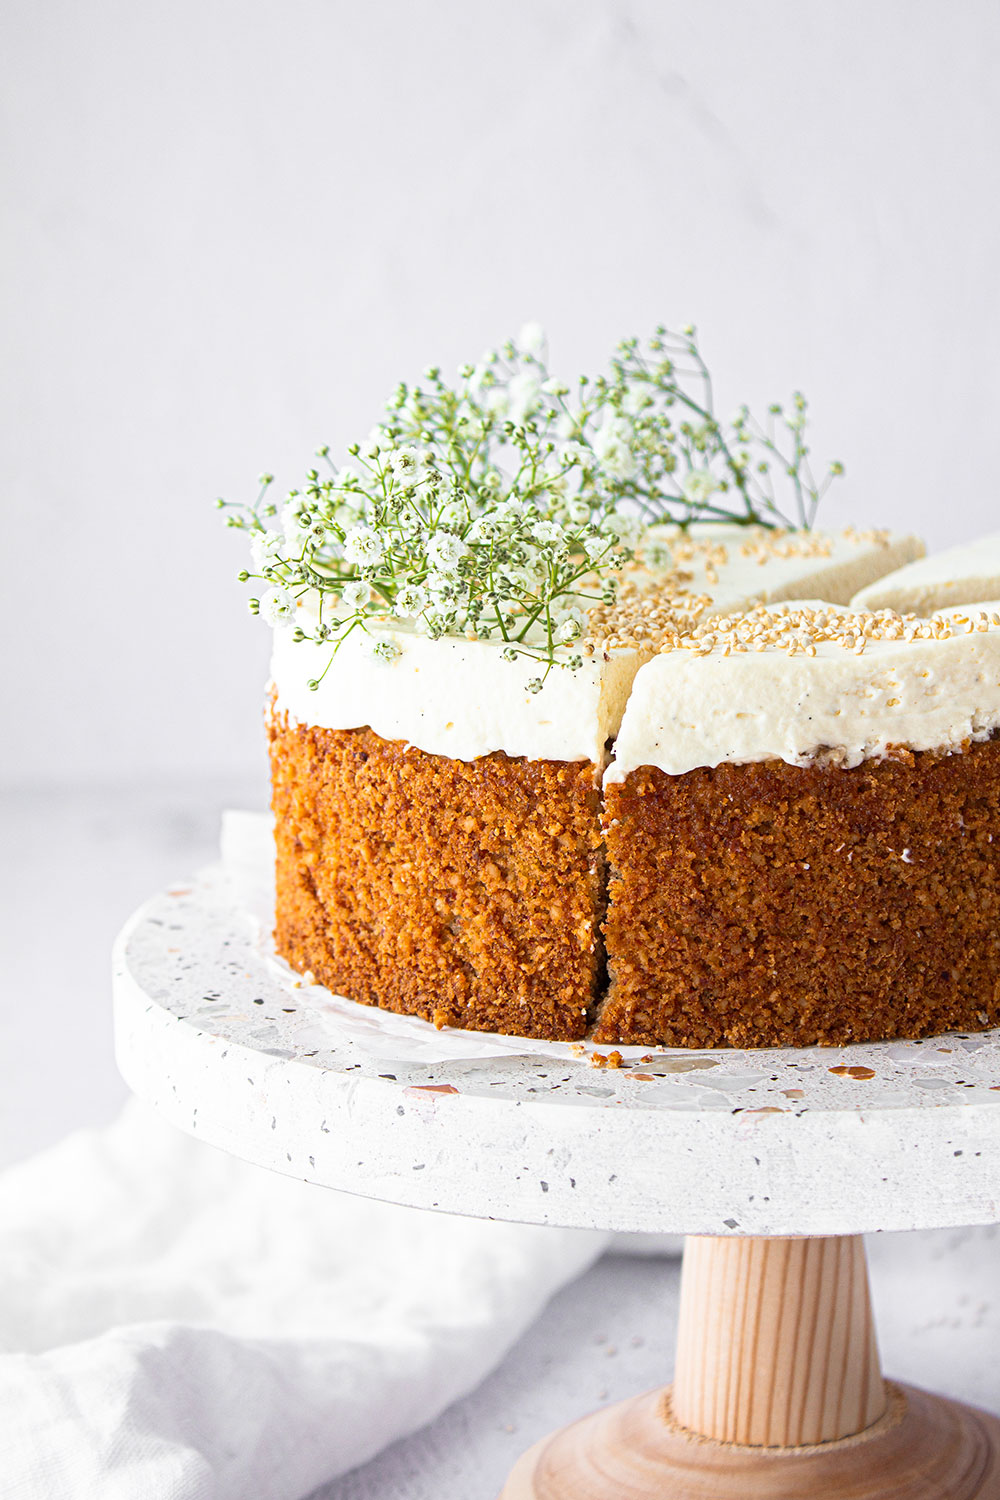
(819, 1140)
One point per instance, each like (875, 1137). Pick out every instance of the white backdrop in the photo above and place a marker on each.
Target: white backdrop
(234, 224)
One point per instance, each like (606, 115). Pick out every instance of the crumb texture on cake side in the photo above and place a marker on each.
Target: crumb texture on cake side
(803, 832)
(766, 904)
(468, 893)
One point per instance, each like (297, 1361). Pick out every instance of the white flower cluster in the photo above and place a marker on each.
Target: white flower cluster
(503, 507)
(411, 536)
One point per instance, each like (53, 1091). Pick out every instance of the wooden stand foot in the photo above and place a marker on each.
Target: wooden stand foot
(923, 1448)
(778, 1395)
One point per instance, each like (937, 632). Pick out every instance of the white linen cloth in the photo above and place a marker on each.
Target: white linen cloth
(179, 1325)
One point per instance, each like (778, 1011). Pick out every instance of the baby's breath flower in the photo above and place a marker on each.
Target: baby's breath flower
(531, 339)
(265, 548)
(576, 453)
(386, 651)
(483, 528)
(277, 606)
(364, 546)
(612, 445)
(356, 595)
(479, 381)
(523, 393)
(441, 587)
(629, 528)
(445, 551)
(408, 466)
(636, 400)
(699, 485)
(410, 600)
(497, 400)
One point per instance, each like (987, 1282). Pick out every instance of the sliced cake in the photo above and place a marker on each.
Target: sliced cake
(438, 824)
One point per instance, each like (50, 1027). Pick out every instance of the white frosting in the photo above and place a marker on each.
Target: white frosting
(455, 697)
(969, 574)
(460, 698)
(749, 567)
(690, 710)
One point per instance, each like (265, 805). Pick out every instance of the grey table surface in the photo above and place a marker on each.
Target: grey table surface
(93, 854)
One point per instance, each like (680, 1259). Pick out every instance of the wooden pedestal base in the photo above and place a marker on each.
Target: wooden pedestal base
(923, 1448)
(778, 1395)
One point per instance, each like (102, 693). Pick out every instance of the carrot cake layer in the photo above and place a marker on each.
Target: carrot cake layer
(470, 893)
(766, 904)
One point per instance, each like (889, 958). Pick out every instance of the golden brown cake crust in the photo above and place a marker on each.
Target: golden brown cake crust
(769, 904)
(469, 893)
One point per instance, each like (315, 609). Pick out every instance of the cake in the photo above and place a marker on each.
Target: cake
(732, 803)
(443, 834)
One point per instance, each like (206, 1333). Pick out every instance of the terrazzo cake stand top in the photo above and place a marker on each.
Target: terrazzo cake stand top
(773, 1161)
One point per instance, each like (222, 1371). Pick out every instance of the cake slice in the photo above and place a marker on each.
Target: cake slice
(683, 577)
(969, 574)
(439, 849)
(803, 832)
(741, 566)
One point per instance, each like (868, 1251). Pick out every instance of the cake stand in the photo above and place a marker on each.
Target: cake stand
(772, 1162)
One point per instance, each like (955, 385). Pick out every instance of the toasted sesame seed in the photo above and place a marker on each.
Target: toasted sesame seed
(664, 609)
